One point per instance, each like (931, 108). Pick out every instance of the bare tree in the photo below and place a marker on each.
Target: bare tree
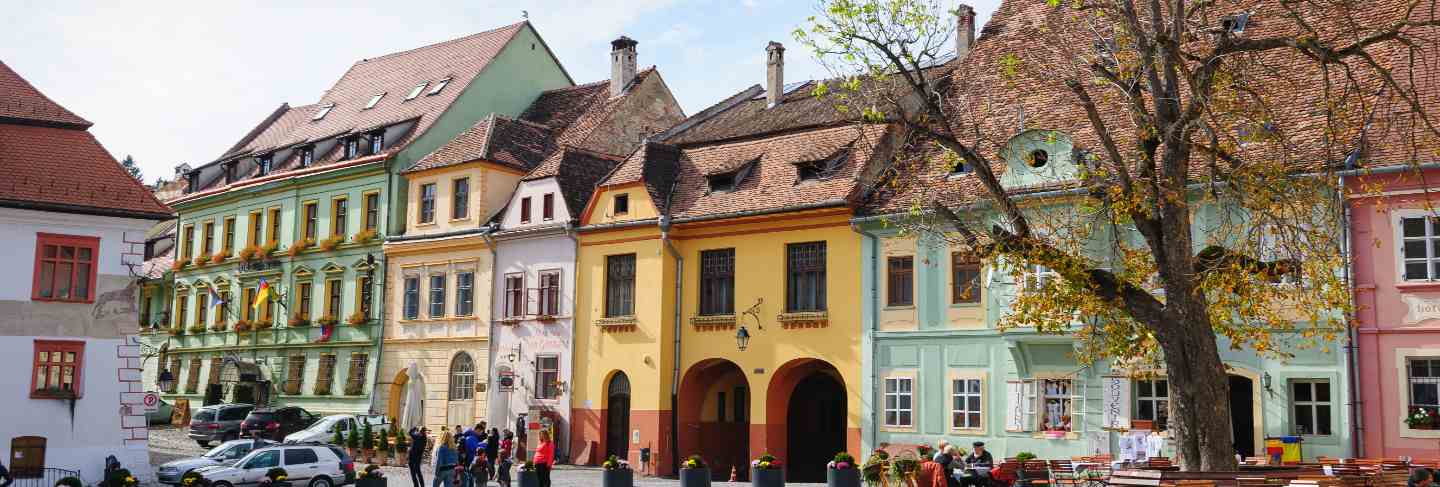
(1208, 137)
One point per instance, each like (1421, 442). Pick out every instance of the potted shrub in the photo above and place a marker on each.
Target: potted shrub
(370, 477)
(275, 477)
(383, 450)
(528, 477)
(874, 467)
(402, 445)
(694, 472)
(193, 479)
(339, 438)
(367, 442)
(904, 467)
(616, 473)
(71, 482)
(842, 471)
(121, 478)
(352, 442)
(767, 471)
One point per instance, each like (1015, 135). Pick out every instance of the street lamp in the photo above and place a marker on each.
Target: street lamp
(166, 380)
(742, 338)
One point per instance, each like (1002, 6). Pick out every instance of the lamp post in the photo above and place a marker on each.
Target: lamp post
(742, 338)
(166, 379)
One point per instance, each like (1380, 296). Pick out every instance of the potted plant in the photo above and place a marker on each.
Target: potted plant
(121, 478)
(402, 445)
(383, 449)
(179, 264)
(367, 442)
(352, 442)
(1420, 419)
(193, 479)
(261, 325)
(767, 471)
(200, 260)
(1024, 456)
(332, 243)
(842, 472)
(694, 472)
(218, 258)
(616, 473)
(299, 246)
(327, 321)
(298, 320)
(218, 326)
(339, 438)
(364, 236)
(357, 318)
(249, 253)
(904, 467)
(71, 482)
(371, 477)
(197, 328)
(267, 250)
(275, 477)
(875, 466)
(528, 477)
(242, 326)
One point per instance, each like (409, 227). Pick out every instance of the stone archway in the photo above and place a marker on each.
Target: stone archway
(395, 400)
(617, 416)
(714, 416)
(806, 406)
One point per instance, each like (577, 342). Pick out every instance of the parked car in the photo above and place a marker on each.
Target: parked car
(324, 430)
(223, 454)
(306, 465)
(218, 422)
(162, 415)
(276, 423)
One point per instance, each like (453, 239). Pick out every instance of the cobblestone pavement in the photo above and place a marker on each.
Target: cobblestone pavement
(169, 443)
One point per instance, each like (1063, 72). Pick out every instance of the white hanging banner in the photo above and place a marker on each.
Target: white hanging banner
(1116, 393)
(1014, 406)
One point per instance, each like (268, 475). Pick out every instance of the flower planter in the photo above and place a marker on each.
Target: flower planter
(849, 477)
(695, 477)
(767, 477)
(529, 479)
(620, 477)
(380, 482)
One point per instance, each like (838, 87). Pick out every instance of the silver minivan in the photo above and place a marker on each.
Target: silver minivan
(218, 422)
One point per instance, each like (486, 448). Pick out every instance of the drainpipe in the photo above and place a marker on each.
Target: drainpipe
(675, 373)
(872, 299)
(1357, 440)
(491, 391)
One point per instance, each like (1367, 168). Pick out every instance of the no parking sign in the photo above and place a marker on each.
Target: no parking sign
(151, 402)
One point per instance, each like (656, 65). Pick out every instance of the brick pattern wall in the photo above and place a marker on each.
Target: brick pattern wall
(132, 397)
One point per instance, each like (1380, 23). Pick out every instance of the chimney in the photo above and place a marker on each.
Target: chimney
(622, 64)
(181, 170)
(774, 73)
(964, 30)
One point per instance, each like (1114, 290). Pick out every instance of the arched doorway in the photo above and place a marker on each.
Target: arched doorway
(617, 416)
(805, 409)
(714, 416)
(394, 406)
(461, 408)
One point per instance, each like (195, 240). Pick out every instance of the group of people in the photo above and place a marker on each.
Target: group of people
(949, 468)
(466, 456)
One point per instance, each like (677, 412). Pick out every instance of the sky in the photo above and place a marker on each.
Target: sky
(173, 82)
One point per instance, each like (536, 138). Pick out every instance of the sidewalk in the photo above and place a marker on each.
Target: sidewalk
(563, 476)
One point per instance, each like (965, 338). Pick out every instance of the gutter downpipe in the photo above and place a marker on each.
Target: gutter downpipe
(675, 373)
(1357, 442)
(873, 301)
(492, 393)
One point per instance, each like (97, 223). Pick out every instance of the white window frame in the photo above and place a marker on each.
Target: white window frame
(374, 100)
(1043, 400)
(906, 392)
(1403, 356)
(1313, 404)
(1397, 222)
(967, 379)
(1037, 273)
(414, 92)
(1155, 399)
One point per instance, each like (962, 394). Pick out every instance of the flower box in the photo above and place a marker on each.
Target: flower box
(528, 478)
(364, 482)
(849, 477)
(695, 477)
(619, 477)
(767, 477)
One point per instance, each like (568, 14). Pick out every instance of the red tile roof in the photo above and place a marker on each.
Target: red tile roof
(515, 143)
(63, 169)
(24, 104)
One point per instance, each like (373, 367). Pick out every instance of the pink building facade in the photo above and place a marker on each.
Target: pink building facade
(1396, 263)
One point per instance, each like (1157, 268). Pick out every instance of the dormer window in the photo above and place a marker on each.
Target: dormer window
(439, 85)
(377, 141)
(324, 110)
(821, 169)
(726, 182)
(352, 147)
(307, 156)
(373, 100)
(414, 92)
(262, 164)
(229, 169)
(192, 182)
(960, 168)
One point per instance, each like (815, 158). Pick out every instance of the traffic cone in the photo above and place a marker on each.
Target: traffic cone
(732, 474)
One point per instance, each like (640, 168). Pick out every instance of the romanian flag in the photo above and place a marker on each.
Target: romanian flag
(215, 298)
(262, 295)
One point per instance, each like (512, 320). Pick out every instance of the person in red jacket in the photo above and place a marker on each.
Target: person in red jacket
(544, 458)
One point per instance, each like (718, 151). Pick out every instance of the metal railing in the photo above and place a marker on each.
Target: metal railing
(41, 477)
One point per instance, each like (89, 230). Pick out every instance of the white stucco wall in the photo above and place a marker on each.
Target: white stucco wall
(536, 191)
(17, 238)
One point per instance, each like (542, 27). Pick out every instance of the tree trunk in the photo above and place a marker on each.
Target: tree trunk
(1199, 392)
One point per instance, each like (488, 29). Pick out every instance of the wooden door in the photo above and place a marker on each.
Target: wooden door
(27, 456)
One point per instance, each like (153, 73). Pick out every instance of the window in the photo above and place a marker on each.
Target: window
(525, 210)
(462, 377)
(427, 203)
(365, 292)
(964, 280)
(247, 302)
(1036, 277)
(805, 264)
(175, 373)
(325, 375)
(901, 282)
(312, 221)
(465, 293)
(352, 147)
(372, 211)
(257, 228)
(355, 383)
(622, 204)
(339, 216)
(58, 368)
(460, 199)
(1310, 400)
(264, 459)
(1055, 404)
(412, 298)
(294, 374)
(182, 309)
(300, 456)
(547, 377)
(439, 85)
(813, 170)
(187, 242)
(965, 404)
(65, 268)
(1421, 248)
(717, 282)
(262, 164)
(202, 307)
(229, 169)
(514, 295)
(377, 141)
(221, 317)
(620, 285)
(373, 100)
(333, 291)
(324, 110)
(721, 183)
(547, 206)
(307, 156)
(304, 299)
(275, 225)
(550, 293)
(227, 243)
(207, 247)
(1152, 402)
(414, 92)
(214, 376)
(437, 295)
(899, 397)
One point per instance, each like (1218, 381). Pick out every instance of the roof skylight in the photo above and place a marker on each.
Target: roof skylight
(324, 110)
(374, 99)
(439, 85)
(414, 92)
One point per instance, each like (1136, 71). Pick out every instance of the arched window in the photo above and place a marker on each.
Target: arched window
(462, 377)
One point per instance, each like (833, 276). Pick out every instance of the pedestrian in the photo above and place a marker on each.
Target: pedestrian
(507, 447)
(492, 450)
(416, 453)
(978, 464)
(467, 454)
(1420, 477)
(932, 473)
(544, 458)
(939, 450)
(445, 461)
(5, 478)
(477, 469)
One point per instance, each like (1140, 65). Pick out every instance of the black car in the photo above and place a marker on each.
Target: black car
(275, 423)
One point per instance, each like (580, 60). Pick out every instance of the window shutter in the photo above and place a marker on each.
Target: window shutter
(1117, 402)
(1014, 407)
(1032, 405)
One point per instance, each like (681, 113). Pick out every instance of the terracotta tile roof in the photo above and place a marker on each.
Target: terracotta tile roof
(24, 104)
(558, 108)
(577, 172)
(516, 143)
(64, 169)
